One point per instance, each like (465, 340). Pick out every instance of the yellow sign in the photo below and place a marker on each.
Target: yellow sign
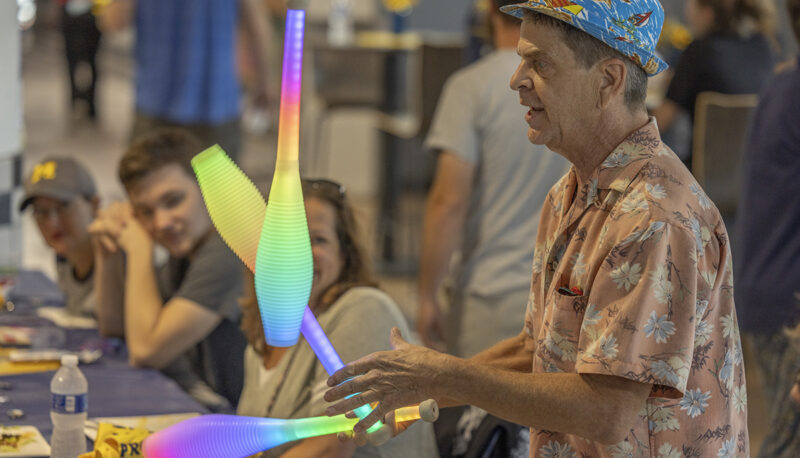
(45, 170)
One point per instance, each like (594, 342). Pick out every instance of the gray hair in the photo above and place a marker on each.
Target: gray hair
(588, 50)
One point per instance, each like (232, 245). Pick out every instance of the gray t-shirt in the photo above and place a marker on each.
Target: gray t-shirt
(357, 324)
(479, 118)
(79, 293)
(212, 279)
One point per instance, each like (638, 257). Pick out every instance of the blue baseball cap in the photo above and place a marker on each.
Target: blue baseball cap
(632, 27)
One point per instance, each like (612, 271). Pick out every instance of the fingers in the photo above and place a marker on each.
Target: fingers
(105, 234)
(396, 339)
(349, 387)
(107, 243)
(360, 439)
(375, 416)
(109, 225)
(354, 369)
(352, 403)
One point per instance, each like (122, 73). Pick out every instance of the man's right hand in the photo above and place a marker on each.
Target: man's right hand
(107, 227)
(430, 324)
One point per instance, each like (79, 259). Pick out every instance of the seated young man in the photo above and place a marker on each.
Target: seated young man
(182, 317)
(64, 201)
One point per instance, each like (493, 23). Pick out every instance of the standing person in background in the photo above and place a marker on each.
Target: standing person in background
(81, 41)
(768, 251)
(486, 196)
(64, 201)
(186, 64)
(732, 54)
(182, 317)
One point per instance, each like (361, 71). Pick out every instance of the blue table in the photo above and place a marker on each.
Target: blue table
(115, 388)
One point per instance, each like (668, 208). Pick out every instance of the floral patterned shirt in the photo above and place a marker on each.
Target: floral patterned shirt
(632, 278)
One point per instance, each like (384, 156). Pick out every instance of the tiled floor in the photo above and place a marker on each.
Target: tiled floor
(52, 130)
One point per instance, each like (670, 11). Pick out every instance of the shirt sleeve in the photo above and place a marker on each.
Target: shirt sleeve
(683, 88)
(214, 280)
(453, 128)
(640, 314)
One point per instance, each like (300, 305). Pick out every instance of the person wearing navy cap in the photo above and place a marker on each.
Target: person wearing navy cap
(64, 200)
(630, 345)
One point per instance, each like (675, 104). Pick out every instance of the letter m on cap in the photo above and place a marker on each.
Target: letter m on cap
(45, 170)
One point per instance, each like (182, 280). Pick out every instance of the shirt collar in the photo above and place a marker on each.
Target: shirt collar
(619, 168)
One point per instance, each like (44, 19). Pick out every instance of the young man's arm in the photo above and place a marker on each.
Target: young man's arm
(445, 213)
(108, 278)
(157, 333)
(109, 295)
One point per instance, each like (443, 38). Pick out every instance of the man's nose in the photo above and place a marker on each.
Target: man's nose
(161, 219)
(516, 82)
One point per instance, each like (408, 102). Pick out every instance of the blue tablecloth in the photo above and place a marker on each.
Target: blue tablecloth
(115, 388)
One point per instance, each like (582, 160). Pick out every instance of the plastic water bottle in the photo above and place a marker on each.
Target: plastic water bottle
(70, 402)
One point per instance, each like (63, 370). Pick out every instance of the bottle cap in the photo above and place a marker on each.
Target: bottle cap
(69, 360)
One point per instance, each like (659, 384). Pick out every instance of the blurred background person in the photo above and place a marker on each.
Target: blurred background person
(768, 251)
(355, 315)
(182, 317)
(732, 53)
(81, 42)
(484, 203)
(64, 200)
(186, 64)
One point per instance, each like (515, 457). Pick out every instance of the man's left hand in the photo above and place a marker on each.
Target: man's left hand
(402, 377)
(796, 393)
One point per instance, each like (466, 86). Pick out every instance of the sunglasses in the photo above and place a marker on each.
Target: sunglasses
(326, 187)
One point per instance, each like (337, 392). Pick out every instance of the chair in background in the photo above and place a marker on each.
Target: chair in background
(721, 124)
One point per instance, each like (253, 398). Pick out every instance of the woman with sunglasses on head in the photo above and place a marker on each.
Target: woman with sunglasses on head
(353, 312)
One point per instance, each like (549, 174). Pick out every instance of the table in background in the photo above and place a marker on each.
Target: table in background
(115, 388)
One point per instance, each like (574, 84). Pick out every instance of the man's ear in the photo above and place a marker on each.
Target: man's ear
(613, 74)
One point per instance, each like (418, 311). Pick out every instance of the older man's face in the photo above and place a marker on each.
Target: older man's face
(557, 90)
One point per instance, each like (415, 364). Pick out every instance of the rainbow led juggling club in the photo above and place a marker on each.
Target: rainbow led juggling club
(216, 436)
(284, 266)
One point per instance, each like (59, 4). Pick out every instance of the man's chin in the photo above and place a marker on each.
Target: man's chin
(536, 137)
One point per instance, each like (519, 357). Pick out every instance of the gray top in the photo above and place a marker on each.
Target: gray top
(479, 118)
(80, 297)
(212, 278)
(357, 324)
